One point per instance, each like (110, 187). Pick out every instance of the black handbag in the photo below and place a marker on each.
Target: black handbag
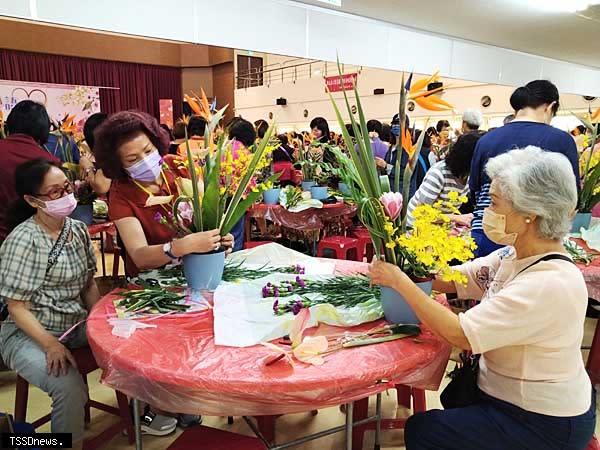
(463, 390)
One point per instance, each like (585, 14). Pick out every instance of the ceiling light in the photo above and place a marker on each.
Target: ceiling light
(562, 5)
(332, 2)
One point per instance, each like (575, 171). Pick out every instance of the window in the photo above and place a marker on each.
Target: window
(249, 71)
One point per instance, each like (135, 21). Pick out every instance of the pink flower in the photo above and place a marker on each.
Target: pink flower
(392, 203)
(185, 211)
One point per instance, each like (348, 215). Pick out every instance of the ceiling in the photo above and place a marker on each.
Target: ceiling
(572, 37)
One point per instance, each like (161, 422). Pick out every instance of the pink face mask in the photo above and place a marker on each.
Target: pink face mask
(61, 207)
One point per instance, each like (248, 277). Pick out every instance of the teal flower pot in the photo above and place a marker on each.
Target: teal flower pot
(271, 196)
(319, 192)
(396, 309)
(84, 213)
(581, 220)
(204, 271)
(344, 189)
(306, 185)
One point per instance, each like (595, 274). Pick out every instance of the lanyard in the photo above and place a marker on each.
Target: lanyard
(150, 194)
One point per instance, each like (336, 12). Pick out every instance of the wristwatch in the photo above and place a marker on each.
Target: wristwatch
(167, 249)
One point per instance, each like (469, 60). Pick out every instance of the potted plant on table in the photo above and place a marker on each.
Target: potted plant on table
(589, 195)
(427, 248)
(310, 165)
(216, 188)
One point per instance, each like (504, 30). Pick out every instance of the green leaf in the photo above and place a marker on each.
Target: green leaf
(378, 340)
(211, 200)
(197, 214)
(216, 118)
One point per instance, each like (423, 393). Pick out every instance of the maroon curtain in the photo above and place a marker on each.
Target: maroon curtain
(140, 85)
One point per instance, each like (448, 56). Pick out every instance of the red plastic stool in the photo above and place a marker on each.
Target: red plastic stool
(340, 246)
(209, 438)
(86, 364)
(253, 244)
(365, 243)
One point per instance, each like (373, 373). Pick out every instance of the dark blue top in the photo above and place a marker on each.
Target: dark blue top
(390, 158)
(512, 136)
(55, 150)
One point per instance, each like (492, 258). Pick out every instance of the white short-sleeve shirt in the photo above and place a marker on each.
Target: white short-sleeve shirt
(528, 329)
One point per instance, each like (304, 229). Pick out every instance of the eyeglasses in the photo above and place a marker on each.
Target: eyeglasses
(57, 193)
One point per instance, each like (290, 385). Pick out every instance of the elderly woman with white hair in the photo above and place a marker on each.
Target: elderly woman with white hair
(533, 390)
(472, 119)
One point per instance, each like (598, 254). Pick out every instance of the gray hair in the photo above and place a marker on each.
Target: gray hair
(538, 183)
(473, 117)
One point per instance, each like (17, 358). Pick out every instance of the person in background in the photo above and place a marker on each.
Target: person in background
(378, 147)
(178, 137)
(386, 135)
(508, 119)
(388, 164)
(446, 176)
(195, 130)
(423, 164)
(443, 129)
(283, 161)
(533, 390)
(47, 267)
(28, 127)
(535, 104)
(434, 139)
(261, 127)
(100, 184)
(320, 130)
(242, 132)
(320, 135)
(472, 119)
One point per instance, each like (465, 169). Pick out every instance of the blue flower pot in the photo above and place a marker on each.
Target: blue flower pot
(396, 309)
(319, 192)
(581, 220)
(344, 189)
(84, 213)
(271, 196)
(204, 271)
(306, 185)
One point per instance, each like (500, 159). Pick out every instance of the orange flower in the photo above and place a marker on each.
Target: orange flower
(199, 105)
(427, 99)
(596, 115)
(67, 126)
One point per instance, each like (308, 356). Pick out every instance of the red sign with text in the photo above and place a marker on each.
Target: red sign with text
(346, 83)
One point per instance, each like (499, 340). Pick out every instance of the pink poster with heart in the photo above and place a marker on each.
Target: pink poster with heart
(60, 99)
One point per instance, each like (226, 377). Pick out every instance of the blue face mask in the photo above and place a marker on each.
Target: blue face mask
(148, 169)
(395, 130)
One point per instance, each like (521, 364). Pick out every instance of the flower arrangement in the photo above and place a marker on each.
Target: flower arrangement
(589, 195)
(65, 132)
(429, 246)
(218, 184)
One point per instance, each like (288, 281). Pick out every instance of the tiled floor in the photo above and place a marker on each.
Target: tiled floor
(288, 427)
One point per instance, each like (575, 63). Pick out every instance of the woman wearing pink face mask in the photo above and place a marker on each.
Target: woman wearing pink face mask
(47, 266)
(532, 389)
(129, 149)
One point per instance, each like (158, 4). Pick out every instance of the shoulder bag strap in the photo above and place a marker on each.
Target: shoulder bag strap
(548, 258)
(59, 245)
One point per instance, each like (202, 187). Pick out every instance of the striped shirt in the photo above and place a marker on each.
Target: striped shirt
(437, 185)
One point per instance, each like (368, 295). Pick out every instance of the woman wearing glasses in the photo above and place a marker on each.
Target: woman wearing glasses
(47, 267)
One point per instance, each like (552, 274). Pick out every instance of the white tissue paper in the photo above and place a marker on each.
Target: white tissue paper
(126, 327)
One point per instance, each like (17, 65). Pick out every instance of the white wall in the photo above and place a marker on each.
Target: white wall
(297, 29)
(257, 102)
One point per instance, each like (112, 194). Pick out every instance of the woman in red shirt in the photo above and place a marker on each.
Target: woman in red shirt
(129, 149)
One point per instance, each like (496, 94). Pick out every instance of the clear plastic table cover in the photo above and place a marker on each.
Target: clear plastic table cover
(177, 367)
